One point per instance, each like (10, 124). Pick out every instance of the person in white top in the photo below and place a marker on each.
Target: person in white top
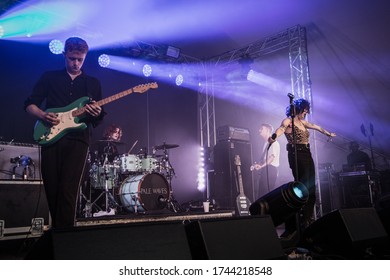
(269, 163)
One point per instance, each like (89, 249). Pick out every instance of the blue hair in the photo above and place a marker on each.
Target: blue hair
(300, 105)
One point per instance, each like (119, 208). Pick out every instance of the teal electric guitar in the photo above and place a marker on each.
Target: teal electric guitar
(71, 116)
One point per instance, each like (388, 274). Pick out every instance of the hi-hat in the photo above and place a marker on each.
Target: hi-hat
(111, 141)
(166, 146)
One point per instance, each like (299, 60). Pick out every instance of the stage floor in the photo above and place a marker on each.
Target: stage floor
(156, 216)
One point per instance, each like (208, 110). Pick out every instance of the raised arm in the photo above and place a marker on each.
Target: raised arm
(280, 130)
(318, 128)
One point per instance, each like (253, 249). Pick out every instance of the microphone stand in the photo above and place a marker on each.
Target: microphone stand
(293, 115)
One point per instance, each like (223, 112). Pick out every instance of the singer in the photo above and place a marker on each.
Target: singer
(301, 163)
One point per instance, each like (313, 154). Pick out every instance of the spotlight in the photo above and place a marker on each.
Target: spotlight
(104, 60)
(56, 46)
(282, 202)
(179, 79)
(173, 52)
(147, 70)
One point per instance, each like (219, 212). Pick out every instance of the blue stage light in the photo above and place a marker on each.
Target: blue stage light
(179, 79)
(147, 70)
(56, 46)
(104, 60)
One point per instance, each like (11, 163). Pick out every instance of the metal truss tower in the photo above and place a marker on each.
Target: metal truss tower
(293, 39)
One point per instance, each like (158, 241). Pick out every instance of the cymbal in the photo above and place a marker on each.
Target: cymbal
(111, 141)
(166, 146)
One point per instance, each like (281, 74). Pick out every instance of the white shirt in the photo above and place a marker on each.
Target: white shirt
(273, 150)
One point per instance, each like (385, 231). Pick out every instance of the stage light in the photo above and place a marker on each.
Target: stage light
(147, 70)
(201, 170)
(281, 203)
(179, 79)
(104, 60)
(56, 46)
(1, 31)
(173, 52)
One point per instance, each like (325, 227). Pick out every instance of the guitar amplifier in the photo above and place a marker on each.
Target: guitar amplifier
(224, 187)
(24, 211)
(232, 133)
(19, 161)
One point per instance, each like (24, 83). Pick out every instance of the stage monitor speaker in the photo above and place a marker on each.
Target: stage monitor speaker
(241, 238)
(347, 233)
(383, 209)
(165, 241)
(224, 186)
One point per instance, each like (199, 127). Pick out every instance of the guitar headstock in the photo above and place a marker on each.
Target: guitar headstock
(144, 87)
(237, 160)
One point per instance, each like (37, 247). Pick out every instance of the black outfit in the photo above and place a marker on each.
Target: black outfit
(62, 162)
(306, 175)
(107, 148)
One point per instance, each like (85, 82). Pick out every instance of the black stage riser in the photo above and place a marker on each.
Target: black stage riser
(236, 238)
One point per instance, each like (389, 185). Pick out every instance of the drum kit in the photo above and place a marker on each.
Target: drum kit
(134, 183)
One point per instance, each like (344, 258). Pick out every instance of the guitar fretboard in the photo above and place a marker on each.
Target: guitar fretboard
(81, 111)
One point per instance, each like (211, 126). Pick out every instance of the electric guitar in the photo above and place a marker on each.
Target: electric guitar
(241, 200)
(70, 116)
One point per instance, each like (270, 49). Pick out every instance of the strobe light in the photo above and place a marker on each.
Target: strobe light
(282, 202)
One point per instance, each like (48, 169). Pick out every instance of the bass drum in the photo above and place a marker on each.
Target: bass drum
(144, 192)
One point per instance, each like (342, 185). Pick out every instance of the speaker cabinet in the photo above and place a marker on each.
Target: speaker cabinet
(21, 201)
(224, 186)
(234, 239)
(164, 241)
(346, 232)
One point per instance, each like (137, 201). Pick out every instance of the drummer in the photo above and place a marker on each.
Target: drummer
(108, 146)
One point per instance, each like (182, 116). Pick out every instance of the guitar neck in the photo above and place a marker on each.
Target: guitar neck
(81, 110)
(240, 180)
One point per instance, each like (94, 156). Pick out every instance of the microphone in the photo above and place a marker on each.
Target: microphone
(290, 95)
(273, 137)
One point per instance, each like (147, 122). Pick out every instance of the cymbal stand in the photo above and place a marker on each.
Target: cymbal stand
(85, 212)
(109, 198)
(172, 203)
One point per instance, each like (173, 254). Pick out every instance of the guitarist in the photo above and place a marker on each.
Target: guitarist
(63, 161)
(268, 168)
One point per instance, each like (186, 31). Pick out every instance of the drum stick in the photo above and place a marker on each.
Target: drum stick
(132, 147)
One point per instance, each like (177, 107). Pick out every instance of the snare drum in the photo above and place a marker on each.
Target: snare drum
(149, 164)
(130, 163)
(144, 192)
(100, 175)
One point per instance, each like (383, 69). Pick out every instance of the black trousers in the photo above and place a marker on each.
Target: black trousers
(62, 167)
(306, 175)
